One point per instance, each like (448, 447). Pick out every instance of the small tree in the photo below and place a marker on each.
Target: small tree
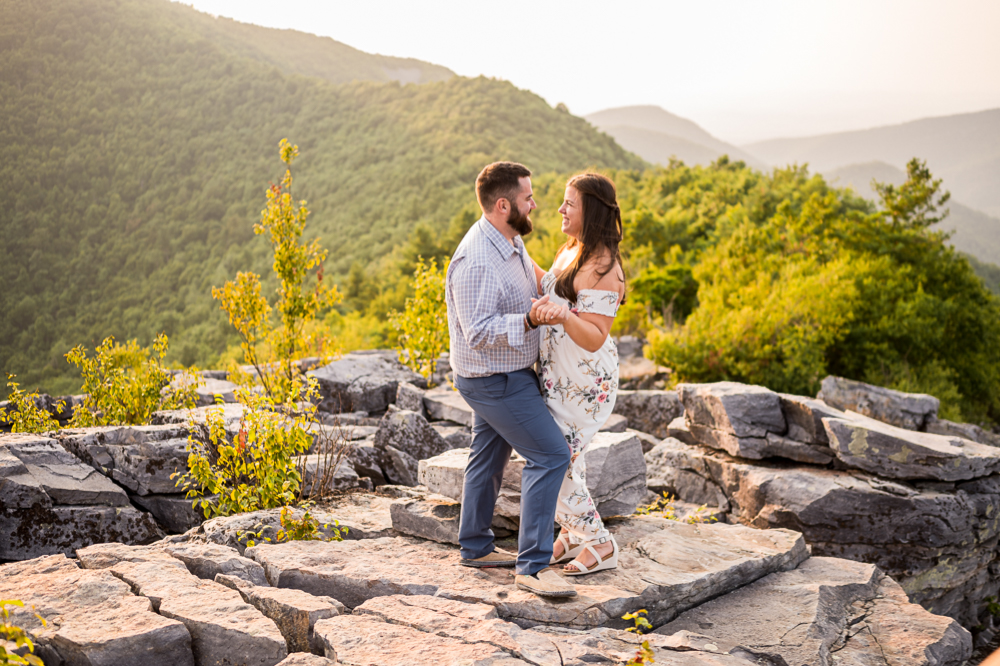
(125, 383)
(272, 350)
(17, 636)
(423, 324)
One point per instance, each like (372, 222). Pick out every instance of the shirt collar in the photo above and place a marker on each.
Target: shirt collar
(500, 241)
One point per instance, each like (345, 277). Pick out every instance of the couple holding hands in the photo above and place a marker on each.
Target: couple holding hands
(506, 316)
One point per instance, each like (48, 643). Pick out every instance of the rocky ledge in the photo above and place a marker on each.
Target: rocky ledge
(717, 594)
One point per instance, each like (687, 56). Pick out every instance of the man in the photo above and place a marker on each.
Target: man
(490, 290)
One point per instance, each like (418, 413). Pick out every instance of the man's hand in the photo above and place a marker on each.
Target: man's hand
(537, 303)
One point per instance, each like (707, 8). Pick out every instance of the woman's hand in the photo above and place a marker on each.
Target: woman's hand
(551, 314)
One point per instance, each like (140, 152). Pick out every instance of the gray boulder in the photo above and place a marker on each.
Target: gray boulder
(649, 411)
(140, 458)
(911, 411)
(446, 404)
(411, 397)
(805, 418)
(615, 423)
(433, 517)
(403, 439)
(51, 502)
(174, 513)
(362, 381)
(897, 453)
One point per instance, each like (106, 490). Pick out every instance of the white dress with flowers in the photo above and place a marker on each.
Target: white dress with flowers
(579, 388)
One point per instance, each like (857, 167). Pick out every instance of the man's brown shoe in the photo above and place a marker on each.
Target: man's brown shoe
(498, 558)
(546, 583)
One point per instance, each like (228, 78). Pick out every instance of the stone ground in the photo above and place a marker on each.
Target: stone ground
(717, 594)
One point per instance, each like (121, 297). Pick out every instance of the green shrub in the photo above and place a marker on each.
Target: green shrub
(16, 635)
(423, 324)
(644, 654)
(125, 383)
(255, 469)
(25, 415)
(664, 506)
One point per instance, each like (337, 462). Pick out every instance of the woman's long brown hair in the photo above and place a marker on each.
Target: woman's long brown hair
(601, 233)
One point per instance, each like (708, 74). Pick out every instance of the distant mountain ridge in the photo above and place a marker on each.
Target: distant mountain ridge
(962, 149)
(656, 135)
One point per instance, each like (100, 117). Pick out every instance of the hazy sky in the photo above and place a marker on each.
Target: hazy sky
(744, 70)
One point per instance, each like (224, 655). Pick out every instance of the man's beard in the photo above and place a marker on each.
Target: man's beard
(519, 223)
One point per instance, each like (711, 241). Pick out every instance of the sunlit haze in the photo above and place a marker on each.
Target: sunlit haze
(743, 70)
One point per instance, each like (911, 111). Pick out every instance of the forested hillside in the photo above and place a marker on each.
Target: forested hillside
(138, 143)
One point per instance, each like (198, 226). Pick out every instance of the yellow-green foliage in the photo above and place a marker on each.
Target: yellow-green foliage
(423, 324)
(273, 349)
(125, 383)
(257, 468)
(664, 506)
(18, 636)
(25, 415)
(304, 528)
(644, 654)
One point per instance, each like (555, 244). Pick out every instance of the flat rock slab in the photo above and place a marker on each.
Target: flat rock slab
(897, 453)
(294, 612)
(431, 630)
(304, 659)
(446, 404)
(911, 411)
(362, 381)
(804, 417)
(649, 411)
(812, 614)
(92, 617)
(224, 629)
(615, 423)
(665, 567)
(207, 560)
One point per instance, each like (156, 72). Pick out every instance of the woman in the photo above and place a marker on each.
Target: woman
(579, 360)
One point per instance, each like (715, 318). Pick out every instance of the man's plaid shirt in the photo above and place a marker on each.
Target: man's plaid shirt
(488, 290)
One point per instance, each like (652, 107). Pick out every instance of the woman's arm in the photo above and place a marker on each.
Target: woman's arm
(587, 330)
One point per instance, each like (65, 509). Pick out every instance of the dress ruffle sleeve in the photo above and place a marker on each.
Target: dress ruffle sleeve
(597, 301)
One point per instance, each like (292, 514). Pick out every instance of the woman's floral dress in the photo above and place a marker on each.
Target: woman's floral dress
(579, 388)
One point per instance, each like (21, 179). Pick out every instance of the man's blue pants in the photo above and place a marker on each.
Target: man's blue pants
(510, 413)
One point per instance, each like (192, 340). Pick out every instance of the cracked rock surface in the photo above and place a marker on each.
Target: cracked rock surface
(828, 611)
(665, 567)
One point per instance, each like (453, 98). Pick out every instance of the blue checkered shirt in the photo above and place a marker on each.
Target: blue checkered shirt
(488, 290)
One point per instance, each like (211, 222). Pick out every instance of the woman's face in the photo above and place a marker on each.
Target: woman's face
(572, 213)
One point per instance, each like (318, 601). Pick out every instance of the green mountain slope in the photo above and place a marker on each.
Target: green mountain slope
(136, 150)
(962, 149)
(295, 52)
(973, 232)
(657, 135)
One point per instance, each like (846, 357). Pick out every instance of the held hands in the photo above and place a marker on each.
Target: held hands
(544, 312)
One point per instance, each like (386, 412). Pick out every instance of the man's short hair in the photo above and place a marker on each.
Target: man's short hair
(500, 180)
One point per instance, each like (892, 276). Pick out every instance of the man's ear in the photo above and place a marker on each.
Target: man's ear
(502, 206)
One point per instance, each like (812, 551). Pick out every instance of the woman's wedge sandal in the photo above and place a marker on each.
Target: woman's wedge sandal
(569, 551)
(610, 561)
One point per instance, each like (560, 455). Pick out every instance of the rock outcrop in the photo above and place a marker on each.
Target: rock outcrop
(365, 381)
(51, 502)
(649, 411)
